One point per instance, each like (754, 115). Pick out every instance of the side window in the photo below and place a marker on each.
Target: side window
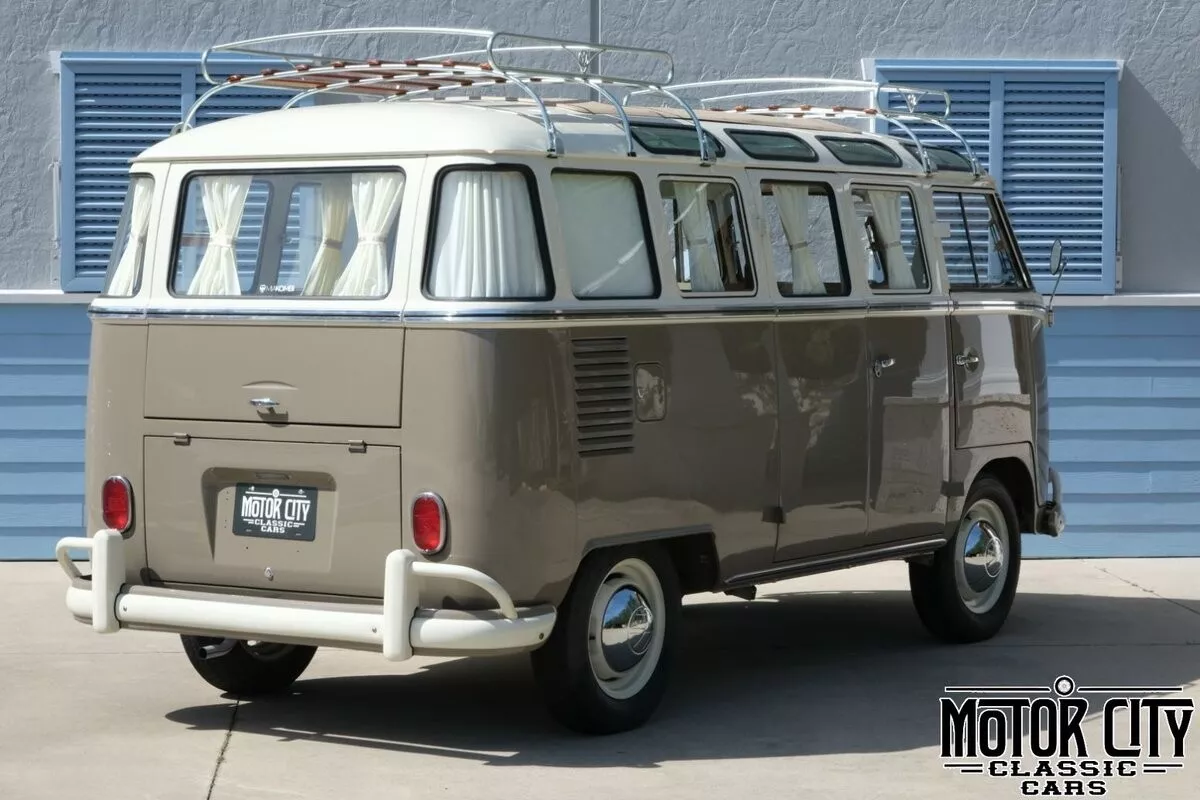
(806, 243)
(124, 275)
(604, 232)
(887, 230)
(979, 253)
(488, 242)
(707, 236)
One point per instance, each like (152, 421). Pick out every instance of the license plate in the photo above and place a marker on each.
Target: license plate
(275, 512)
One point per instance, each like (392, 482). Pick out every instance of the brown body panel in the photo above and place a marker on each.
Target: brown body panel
(824, 391)
(314, 375)
(910, 421)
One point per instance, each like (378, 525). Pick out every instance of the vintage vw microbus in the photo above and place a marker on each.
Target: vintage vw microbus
(459, 373)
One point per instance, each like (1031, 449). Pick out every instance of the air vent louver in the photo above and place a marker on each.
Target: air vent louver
(603, 396)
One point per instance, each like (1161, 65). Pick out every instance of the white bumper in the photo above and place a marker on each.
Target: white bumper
(397, 627)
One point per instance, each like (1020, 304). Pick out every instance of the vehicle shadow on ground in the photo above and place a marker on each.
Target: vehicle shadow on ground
(785, 675)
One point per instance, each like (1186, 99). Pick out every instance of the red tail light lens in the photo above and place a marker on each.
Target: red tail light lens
(429, 523)
(116, 502)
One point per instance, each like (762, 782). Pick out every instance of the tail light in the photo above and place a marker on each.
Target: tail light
(116, 502)
(429, 523)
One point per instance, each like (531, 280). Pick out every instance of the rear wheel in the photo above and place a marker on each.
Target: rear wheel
(604, 667)
(249, 667)
(966, 592)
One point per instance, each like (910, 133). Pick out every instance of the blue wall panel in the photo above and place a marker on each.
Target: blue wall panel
(1125, 415)
(1125, 410)
(43, 386)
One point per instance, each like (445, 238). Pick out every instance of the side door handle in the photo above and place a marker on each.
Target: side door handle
(883, 363)
(966, 359)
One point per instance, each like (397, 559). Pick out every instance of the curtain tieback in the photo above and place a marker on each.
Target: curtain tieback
(335, 244)
(373, 238)
(221, 240)
(798, 246)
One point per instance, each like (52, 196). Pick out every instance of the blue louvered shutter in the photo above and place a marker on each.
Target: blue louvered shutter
(115, 113)
(1046, 131)
(113, 107)
(1055, 156)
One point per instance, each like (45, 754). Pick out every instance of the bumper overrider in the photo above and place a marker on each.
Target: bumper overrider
(396, 627)
(1050, 519)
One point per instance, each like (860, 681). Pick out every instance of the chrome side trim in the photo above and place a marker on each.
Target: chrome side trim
(836, 561)
(575, 317)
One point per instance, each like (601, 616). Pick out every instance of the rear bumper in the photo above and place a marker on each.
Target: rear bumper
(1050, 518)
(396, 627)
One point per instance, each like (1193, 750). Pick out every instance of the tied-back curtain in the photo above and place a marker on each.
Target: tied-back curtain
(335, 213)
(604, 236)
(486, 244)
(128, 269)
(696, 225)
(792, 200)
(376, 198)
(886, 208)
(224, 198)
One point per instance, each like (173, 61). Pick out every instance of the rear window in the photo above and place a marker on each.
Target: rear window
(298, 234)
(674, 140)
(773, 146)
(861, 152)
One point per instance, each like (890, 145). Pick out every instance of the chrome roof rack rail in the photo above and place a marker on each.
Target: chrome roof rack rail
(395, 79)
(789, 87)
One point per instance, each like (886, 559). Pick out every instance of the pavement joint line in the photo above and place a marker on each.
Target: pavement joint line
(216, 773)
(1150, 592)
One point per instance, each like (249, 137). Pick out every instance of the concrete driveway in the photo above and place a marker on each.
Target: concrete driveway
(825, 687)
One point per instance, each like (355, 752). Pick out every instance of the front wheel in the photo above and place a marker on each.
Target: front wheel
(966, 592)
(604, 667)
(249, 667)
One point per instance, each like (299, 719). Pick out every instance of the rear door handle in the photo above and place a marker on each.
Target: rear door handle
(263, 403)
(883, 363)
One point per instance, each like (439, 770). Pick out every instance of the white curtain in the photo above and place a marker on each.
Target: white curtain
(486, 244)
(335, 213)
(376, 198)
(604, 235)
(792, 200)
(224, 198)
(696, 226)
(125, 274)
(886, 207)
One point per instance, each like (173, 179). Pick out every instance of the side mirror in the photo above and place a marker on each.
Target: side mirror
(1056, 258)
(1058, 264)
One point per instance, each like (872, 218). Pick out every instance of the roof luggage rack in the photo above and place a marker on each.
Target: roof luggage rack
(497, 60)
(789, 87)
(394, 79)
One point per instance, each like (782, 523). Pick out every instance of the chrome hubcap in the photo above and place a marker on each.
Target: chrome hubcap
(981, 556)
(625, 628)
